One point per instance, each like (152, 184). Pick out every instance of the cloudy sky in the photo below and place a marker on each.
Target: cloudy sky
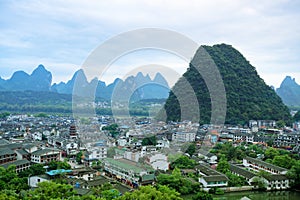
(62, 34)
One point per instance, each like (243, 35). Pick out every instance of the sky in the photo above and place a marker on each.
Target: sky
(61, 34)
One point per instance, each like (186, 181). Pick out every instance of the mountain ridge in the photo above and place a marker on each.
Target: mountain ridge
(289, 92)
(40, 80)
(248, 97)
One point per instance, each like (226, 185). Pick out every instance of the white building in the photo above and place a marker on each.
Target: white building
(184, 137)
(46, 155)
(33, 181)
(133, 156)
(158, 161)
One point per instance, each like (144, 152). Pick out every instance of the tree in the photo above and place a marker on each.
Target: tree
(235, 181)
(223, 165)
(202, 195)
(78, 157)
(151, 193)
(283, 161)
(271, 153)
(110, 194)
(53, 165)
(183, 162)
(280, 124)
(51, 190)
(294, 173)
(191, 149)
(178, 183)
(35, 169)
(149, 141)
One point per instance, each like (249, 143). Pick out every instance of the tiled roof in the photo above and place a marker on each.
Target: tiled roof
(16, 163)
(22, 152)
(44, 151)
(268, 165)
(127, 165)
(215, 178)
(242, 172)
(275, 177)
(6, 151)
(207, 170)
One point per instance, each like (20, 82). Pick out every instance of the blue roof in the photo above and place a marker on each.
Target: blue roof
(58, 171)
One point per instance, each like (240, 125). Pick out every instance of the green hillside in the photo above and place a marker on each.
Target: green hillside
(247, 95)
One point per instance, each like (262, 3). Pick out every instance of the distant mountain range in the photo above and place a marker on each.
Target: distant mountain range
(289, 91)
(41, 79)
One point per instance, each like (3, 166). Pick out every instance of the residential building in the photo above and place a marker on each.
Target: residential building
(33, 181)
(21, 165)
(272, 181)
(158, 161)
(45, 155)
(184, 136)
(129, 172)
(7, 155)
(210, 177)
(257, 165)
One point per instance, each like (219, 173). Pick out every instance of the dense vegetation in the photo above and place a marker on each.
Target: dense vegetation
(248, 97)
(52, 102)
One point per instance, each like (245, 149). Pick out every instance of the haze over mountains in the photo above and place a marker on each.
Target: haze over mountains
(41, 79)
(289, 91)
(247, 95)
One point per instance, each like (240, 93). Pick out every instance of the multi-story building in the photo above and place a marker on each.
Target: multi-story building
(184, 136)
(287, 140)
(243, 137)
(7, 155)
(158, 161)
(21, 165)
(45, 155)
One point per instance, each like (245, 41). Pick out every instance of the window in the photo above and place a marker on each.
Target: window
(38, 180)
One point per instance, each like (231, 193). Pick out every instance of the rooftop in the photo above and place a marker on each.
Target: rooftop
(128, 165)
(207, 170)
(245, 173)
(45, 151)
(16, 163)
(6, 151)
(58, 171)
(268, 165)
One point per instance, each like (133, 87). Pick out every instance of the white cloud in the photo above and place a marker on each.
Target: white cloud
(266, 32)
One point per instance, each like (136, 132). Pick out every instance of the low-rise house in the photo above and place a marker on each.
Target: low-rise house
(210, 177)
(239, 171)
(129, 172)
(33, 181)
(46, 155)
(257, 165)
(84, 173)
(276, 182)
